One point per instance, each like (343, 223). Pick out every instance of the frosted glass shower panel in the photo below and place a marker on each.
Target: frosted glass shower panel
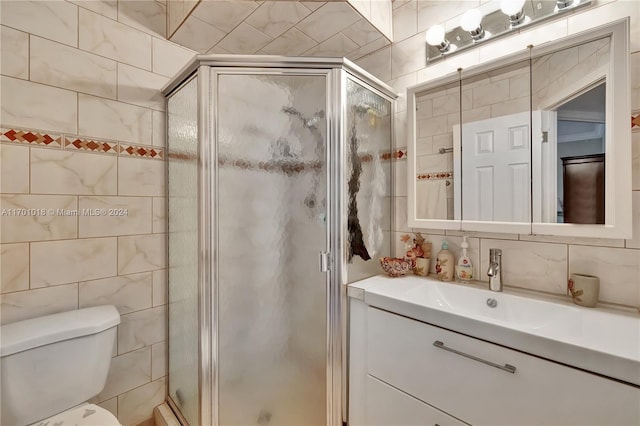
(272, 173)
(369, 154)
(183, 250)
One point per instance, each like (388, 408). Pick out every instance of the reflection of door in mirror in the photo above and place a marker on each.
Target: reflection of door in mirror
(496, 149)
(569, 97)
(437, 117)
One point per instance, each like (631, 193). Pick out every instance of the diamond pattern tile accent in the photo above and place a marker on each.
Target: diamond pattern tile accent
(76, 143)
(32, 137)
(434, 176)
(141, 151)
(635, 122)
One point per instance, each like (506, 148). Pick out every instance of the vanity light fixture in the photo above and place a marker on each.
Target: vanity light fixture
(514, 10)
(492, 20)
(436, 37)
(472, 21)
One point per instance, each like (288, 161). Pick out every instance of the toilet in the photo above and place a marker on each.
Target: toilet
(52, 365)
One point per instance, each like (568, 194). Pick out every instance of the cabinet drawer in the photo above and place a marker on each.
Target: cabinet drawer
(387, 406)
(401, 352)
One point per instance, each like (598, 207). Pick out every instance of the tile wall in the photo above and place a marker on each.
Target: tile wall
(83, 173)
(534, 262)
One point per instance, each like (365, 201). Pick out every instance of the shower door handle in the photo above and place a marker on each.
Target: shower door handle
(325, 261)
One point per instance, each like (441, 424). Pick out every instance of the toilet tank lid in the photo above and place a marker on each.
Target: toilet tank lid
(32, 333)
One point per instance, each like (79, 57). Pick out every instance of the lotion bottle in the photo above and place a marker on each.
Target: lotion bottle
(445, 263)
(464, 270)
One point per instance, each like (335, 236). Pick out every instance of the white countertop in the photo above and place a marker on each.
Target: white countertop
(601, 340)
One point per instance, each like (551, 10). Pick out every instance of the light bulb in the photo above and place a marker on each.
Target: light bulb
(435, 35)
(471, 20)
(511, 7)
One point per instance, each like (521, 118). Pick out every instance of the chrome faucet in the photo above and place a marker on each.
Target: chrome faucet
(495, 269)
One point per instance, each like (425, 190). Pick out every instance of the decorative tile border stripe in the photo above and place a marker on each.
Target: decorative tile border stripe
(31, 137)
(399, 154)
(140, 151)
(434, 176)
(286, 167)
(635, 122)
(12, 134)
(85, 144)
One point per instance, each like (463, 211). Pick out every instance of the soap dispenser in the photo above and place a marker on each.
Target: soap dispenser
(445, 263)
(464, 269)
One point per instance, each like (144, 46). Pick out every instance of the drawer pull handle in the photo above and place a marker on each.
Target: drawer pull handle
(507, 367)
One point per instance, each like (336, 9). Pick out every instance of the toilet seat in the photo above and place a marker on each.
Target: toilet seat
(83, 415)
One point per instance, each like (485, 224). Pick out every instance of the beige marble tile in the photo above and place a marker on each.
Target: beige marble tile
(159, 214)
(108, 8)
(115, 216)
(128, 293)
(14, 53)
(37, 217)
(224, 14)
(609, 12)
(14, 267)
(408, 55)
(368, 48)
(59, 65)
(114, 40)
(110, 405)
(635, 241)
(104, 118)
(168, 57)
(437, 12)
(400, 86)
(603, 242)
(40, 106)
(405, 21)
(378, 63)
(400, 212)
(146, 15)
(127, 371)
(293, 42)
(381, 17)
(59, 262)
(328, 20)
(275, 17)
(197, 35)
(158, 121)
(137, 405)
(141, 253)
(362, 32)
(400, 179)
(618, 270)
(139, 87)
(14, 169)
(142, 328)
(27, 304)
(488, 94)
(160, 278)
(244, 39)
(535, 266)
(335, 46)
(55, 20)
(138, 176)
(67, 172)
(158, 360)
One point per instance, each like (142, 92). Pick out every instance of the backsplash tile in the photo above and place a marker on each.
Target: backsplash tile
(14, 267)
(22, 305)
(66, 172)
(65, 261)
(27, 217)
(14, 169)
(128, 293)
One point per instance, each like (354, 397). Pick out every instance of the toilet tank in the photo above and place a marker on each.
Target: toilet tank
(54, 362)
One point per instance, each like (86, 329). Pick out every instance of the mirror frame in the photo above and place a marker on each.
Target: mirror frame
(618, 173)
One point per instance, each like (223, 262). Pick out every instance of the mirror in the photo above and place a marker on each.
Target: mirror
(538, 142)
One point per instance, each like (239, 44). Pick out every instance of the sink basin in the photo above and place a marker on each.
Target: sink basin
(604, 341)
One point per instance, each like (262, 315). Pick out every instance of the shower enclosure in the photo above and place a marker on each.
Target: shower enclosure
(279, 184)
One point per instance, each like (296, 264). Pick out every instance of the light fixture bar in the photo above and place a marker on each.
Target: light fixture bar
(475, 28)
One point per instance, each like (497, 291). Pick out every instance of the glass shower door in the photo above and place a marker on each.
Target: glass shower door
(270, 295)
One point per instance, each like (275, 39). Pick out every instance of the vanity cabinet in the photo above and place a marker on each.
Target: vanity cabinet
(420, 374)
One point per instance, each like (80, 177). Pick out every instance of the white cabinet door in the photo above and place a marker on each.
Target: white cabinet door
(387, 406)
(401, 352)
